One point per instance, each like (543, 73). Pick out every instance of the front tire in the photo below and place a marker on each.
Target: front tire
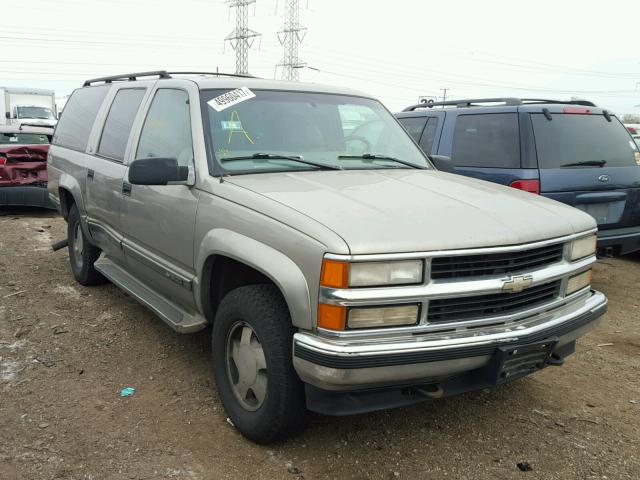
(258, 386)
(82, 255)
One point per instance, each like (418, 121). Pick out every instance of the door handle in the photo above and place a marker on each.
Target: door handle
(90, 174)
(126, 189)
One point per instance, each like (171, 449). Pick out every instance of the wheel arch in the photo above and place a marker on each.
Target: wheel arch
(228, 260)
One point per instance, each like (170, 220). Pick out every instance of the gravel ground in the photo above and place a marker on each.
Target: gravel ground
(66, 351)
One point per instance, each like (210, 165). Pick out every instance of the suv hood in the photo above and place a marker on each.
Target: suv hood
(415, 210)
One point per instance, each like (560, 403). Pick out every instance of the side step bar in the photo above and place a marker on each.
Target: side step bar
(171, 314)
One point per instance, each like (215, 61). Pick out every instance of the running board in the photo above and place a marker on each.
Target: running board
(171, 314)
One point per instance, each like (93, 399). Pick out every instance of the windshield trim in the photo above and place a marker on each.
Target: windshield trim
(217, 170)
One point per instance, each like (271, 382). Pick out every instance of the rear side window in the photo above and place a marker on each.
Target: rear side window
(429, 135)
(75, 125)
(487, 140)
(568, 141)
(117, 127)
(414, 125)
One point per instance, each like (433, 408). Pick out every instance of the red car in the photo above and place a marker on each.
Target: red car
(23, 166)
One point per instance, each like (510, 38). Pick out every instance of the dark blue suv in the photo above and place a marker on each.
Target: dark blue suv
(573, 152)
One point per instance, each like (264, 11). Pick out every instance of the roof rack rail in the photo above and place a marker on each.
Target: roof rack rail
(218, 74)
(127, 76)
(507, 101)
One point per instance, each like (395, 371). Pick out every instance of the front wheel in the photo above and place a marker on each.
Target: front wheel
(258, 386)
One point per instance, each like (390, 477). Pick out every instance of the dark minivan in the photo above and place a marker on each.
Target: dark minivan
(573, 152)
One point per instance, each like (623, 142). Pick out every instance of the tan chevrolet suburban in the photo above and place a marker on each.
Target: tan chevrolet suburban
(341, 271)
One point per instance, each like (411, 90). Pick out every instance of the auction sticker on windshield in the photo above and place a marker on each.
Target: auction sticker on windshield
(230, 98)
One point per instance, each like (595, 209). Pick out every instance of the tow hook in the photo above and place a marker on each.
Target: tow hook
(60, 245)
(431, 391)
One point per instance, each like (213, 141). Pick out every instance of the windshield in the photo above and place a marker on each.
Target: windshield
(329, 130)
(35, 112)
(574, 141)
(23, 139)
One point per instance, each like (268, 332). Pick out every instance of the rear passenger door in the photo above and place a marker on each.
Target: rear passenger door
(159, 221)
(487, 146)
(106, 170)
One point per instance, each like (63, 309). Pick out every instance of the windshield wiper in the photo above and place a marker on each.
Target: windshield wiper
(588, 163)
(276, 156)
(371, 156)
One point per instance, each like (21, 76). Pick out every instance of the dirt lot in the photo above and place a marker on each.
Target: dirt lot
(66, 351)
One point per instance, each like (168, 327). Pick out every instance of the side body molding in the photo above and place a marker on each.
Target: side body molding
(267, 260)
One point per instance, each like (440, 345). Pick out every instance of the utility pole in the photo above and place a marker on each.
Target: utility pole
(444, 94)
(291, 36)
(242, 37)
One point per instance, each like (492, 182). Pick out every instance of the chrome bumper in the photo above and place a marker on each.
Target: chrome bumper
(339, 364)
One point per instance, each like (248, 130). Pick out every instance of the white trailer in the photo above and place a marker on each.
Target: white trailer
(28, 106)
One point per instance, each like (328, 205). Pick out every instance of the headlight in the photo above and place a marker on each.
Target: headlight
(370, 274)
(578, 282)
(370, 317)
(583, 247)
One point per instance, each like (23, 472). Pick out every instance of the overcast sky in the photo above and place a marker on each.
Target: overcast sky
(396, 50)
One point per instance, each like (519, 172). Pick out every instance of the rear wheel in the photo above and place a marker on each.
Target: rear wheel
(82, 255)
(258, 386)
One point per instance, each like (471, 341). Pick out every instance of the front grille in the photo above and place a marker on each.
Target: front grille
(493, 305)
(495, 263)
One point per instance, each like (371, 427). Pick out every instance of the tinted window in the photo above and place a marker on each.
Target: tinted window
(75, 125)
(487, 140)
(429, 135)
(414, 125)
(568, 139)
(167, 129)
(117, 127)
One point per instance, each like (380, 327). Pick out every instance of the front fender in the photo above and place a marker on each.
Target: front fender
(272, 263)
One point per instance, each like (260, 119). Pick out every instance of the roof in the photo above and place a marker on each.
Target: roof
(212, 80)
(27, 90)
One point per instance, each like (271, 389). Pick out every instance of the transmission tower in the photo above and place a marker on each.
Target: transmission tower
(291, 36)
(242, 37)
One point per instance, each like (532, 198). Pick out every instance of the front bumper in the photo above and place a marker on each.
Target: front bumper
(25, 196)
(341, 365)
(621, 240)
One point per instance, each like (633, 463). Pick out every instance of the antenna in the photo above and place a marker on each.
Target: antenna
(242, 37)
(291, 36)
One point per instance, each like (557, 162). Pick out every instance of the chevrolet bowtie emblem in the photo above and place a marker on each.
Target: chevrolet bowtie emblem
(517, 284)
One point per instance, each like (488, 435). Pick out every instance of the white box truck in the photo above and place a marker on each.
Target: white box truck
(28, 106)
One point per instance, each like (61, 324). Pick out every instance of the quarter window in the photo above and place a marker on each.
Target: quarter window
(414, 125)
(80, 112)
(167, 129)
(487, 140)
(117, 127)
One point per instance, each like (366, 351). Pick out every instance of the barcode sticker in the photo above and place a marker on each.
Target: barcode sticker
(231, 98)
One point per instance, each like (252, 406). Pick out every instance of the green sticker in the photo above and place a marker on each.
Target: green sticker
(233, 125)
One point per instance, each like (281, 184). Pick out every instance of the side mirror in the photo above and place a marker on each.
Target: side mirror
(7, 115)
(157, 171)
(443, 163)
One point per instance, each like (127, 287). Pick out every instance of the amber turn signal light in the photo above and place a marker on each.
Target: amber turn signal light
(334, 274)
(331, 317)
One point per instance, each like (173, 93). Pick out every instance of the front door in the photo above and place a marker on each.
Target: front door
(159, 221)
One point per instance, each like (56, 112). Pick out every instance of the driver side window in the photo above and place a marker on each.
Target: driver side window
(166, 132)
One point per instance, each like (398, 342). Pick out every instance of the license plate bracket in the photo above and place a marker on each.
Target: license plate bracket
(517, 361)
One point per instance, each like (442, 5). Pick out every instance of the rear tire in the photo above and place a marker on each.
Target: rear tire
(252, 364)
(82, 255)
